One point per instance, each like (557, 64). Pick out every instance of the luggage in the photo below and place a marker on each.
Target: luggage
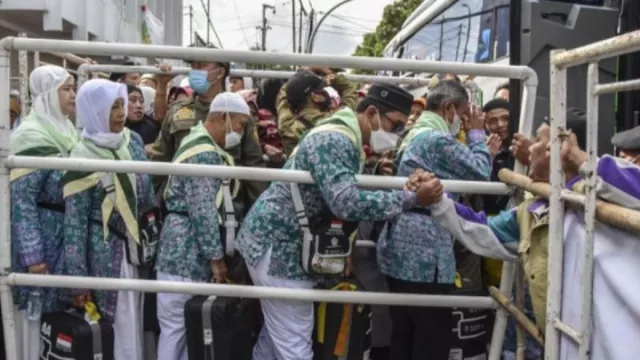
(342, 331)
(219, 328)
(470, 327)
(67, 335)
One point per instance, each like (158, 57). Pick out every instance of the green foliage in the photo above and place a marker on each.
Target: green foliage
(392, 18)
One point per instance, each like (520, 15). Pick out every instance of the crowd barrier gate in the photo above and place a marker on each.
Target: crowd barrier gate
(560, 60)
(8, 279)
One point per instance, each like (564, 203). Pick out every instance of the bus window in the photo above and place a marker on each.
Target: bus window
(462, 33)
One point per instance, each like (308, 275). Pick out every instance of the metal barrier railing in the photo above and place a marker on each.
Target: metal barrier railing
(8, 279)
(560, 60)
(85, 69)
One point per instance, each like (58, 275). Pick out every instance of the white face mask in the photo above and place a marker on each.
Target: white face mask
(232, 138)
(454, 126)
(382, 140)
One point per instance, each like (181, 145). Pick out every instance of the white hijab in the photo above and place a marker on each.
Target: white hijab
(93, 103)
(44, 82)
(149, 95)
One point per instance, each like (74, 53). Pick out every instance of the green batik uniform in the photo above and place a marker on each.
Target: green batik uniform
(179, 120)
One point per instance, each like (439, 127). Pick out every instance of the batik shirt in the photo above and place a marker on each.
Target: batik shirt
(86, 251)
(412, 247)
(333, 160)
(37, 231)
(189, 243)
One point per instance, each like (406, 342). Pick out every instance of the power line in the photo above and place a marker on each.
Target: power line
(211, 24)
(235, 8)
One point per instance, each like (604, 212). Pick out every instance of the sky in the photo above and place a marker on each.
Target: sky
(236, 20)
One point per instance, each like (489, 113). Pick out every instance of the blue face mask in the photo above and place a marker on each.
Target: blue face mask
(198, 81)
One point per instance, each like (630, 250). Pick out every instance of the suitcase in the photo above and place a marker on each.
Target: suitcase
(219, 328)
(67, 335)
(470, 330)
(331, 319)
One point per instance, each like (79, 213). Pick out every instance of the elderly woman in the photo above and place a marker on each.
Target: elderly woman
(37, 206)
(103, 211)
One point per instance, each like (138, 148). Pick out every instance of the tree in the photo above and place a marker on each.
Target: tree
(392, 18)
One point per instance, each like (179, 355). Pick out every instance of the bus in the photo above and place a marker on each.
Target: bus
(474, 31)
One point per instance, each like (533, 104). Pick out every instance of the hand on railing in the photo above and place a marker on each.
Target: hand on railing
(428, 188)
(163, 78)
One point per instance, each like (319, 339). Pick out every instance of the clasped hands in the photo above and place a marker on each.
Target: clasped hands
(428, 188)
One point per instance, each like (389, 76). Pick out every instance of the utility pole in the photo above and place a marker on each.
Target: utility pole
(293, 24)
(209, 23)
(191, 24)
(312, 16)
(208, 12)
(303, 12)
(265, 27)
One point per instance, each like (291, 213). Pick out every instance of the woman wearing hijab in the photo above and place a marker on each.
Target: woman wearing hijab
(37, 205)
(138, 118)
(99, 224)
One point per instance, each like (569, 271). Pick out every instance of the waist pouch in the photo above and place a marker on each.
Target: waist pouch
(327, 241)
(150, 225)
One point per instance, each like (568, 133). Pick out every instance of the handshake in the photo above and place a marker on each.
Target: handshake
(428, 188)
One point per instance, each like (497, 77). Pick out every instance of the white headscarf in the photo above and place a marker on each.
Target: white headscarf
(149, 95)
(44, 82)
(93, 103)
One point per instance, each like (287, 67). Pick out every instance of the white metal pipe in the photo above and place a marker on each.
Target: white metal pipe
(6, 297)
(23, 71)
(36, 59)
(262, 74)
(268, 58)
(586, 279)
(619, 86)
(573, 197)
(366, 243)
(527, 109)
(245, 291)
(500, 322)
(569, 331)
(608, 48)
(236, 172)
(557, 105)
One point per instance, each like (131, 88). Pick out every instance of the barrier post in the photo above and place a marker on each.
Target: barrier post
(23, 71)
(6, 298)
(558, 112)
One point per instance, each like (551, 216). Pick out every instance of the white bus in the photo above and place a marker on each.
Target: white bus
(462, 31)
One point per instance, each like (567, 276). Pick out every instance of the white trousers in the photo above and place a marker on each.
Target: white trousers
(127, 325)
(27, 335)
(172, 344)
(288, 324)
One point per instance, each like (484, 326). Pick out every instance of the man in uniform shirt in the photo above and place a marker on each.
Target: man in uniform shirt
(299, 113)
(207, 80)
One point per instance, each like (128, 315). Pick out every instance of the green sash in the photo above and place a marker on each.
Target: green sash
(121, 188)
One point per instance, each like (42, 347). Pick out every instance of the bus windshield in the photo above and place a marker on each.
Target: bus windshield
(468, 31)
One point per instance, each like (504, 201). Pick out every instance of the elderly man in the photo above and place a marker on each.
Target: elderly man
(191, 248)
(414, 252)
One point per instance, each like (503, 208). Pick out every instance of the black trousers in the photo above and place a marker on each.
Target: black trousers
(420, 333)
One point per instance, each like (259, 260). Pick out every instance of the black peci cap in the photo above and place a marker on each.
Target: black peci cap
(300, 85)
(392, 97)
(627, 140)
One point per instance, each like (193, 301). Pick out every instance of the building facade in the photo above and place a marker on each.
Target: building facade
(118, 21)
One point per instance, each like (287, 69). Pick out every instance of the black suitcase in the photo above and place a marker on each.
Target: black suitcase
(327, 328)
(67, 335)
(219, 328)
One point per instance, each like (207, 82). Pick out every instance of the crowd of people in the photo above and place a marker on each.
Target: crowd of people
(99, 224)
